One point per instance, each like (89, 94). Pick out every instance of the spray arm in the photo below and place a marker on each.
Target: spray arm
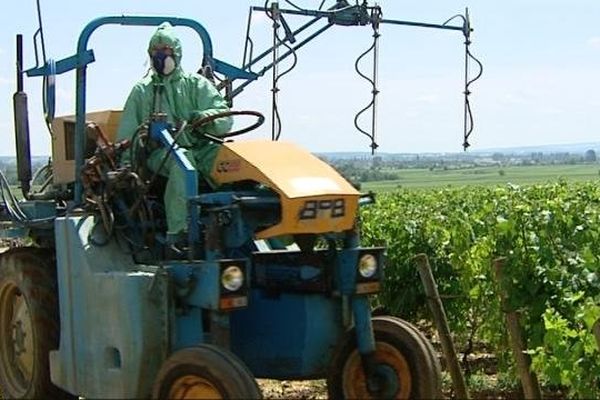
(343, 14)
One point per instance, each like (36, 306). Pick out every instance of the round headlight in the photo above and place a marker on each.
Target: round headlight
(232, 278)
(367, 266)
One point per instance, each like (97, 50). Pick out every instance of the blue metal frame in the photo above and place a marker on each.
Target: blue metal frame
(83, 57)
(81, 72)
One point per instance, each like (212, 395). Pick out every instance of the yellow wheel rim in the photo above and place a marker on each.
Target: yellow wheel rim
(355, 382)
(193, 387)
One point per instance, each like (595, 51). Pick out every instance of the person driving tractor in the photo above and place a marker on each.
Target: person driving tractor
(183, 97)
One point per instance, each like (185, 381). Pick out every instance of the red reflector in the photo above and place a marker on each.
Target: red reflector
(233, 302)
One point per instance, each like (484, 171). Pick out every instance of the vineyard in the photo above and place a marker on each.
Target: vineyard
(549, 236)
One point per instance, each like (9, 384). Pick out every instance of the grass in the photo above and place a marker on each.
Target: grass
(520, 175)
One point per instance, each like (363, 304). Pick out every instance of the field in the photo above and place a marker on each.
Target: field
(486, 176)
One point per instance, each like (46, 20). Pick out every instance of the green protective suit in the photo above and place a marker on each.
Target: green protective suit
(183, 97)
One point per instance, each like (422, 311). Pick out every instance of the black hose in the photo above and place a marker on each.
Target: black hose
(15, 213)
(373, 82)
(468, 114)
(277, 76)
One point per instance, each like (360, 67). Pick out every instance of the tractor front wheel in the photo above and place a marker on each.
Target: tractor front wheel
(205, 372)
(405, 366)
(29, 325)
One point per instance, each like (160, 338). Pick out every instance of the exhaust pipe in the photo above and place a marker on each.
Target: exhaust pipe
(21, 116)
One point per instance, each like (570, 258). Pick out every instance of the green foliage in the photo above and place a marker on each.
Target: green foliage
(550, 236)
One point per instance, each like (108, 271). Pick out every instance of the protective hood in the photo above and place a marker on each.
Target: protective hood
(165, 36)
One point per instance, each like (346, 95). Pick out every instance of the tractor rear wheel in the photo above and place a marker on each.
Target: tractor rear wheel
(434, 363)
(405, 365)
(29, 325)
(205, 372)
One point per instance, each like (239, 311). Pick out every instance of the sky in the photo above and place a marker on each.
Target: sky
(540, 83)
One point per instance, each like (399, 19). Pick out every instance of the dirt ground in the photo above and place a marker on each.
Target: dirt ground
(306, 390)
(272, 389)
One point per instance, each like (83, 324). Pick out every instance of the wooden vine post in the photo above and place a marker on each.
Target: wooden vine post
(441, 322)
(531, 387)
(596, 330)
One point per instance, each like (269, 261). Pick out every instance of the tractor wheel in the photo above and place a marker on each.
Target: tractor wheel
(205, 372)
(405, 365)
(29, 325)
(433, 356)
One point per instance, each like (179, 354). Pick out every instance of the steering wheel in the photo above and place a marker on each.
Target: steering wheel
(197, 123)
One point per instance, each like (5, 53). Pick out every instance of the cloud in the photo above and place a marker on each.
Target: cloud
(514, 99)
(1, 51)
(551, 110)
(594, 42)
(429, 98)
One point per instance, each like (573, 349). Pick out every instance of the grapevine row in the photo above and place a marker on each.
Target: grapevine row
(550, 235)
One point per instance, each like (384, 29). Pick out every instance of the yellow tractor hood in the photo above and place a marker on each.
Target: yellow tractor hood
(315, 198)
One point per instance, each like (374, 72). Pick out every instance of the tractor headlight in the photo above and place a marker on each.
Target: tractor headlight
(367, 266)
(232, 278)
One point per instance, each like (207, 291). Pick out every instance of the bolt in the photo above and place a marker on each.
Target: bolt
(18, 338)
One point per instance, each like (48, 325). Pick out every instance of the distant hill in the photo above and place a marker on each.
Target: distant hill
(13, 159)
(345, 155)
(547, 149)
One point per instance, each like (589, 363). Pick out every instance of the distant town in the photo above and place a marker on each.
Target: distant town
(364, 167)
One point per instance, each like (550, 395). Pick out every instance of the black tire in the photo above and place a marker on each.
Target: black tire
(29, 324)
(205, 372)
(401, 350)
(434, 363)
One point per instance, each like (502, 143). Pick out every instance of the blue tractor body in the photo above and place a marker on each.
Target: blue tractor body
(119, 320)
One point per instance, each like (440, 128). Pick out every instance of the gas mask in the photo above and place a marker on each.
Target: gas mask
(163, 61)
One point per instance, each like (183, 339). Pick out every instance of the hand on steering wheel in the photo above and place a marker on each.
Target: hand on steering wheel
(198, 123)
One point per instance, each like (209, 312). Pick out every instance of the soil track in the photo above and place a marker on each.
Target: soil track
(272, 389)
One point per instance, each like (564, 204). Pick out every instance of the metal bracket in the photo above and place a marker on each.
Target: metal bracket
(65, 65)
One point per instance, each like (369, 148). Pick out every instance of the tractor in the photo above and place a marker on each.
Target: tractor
(270, 282)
